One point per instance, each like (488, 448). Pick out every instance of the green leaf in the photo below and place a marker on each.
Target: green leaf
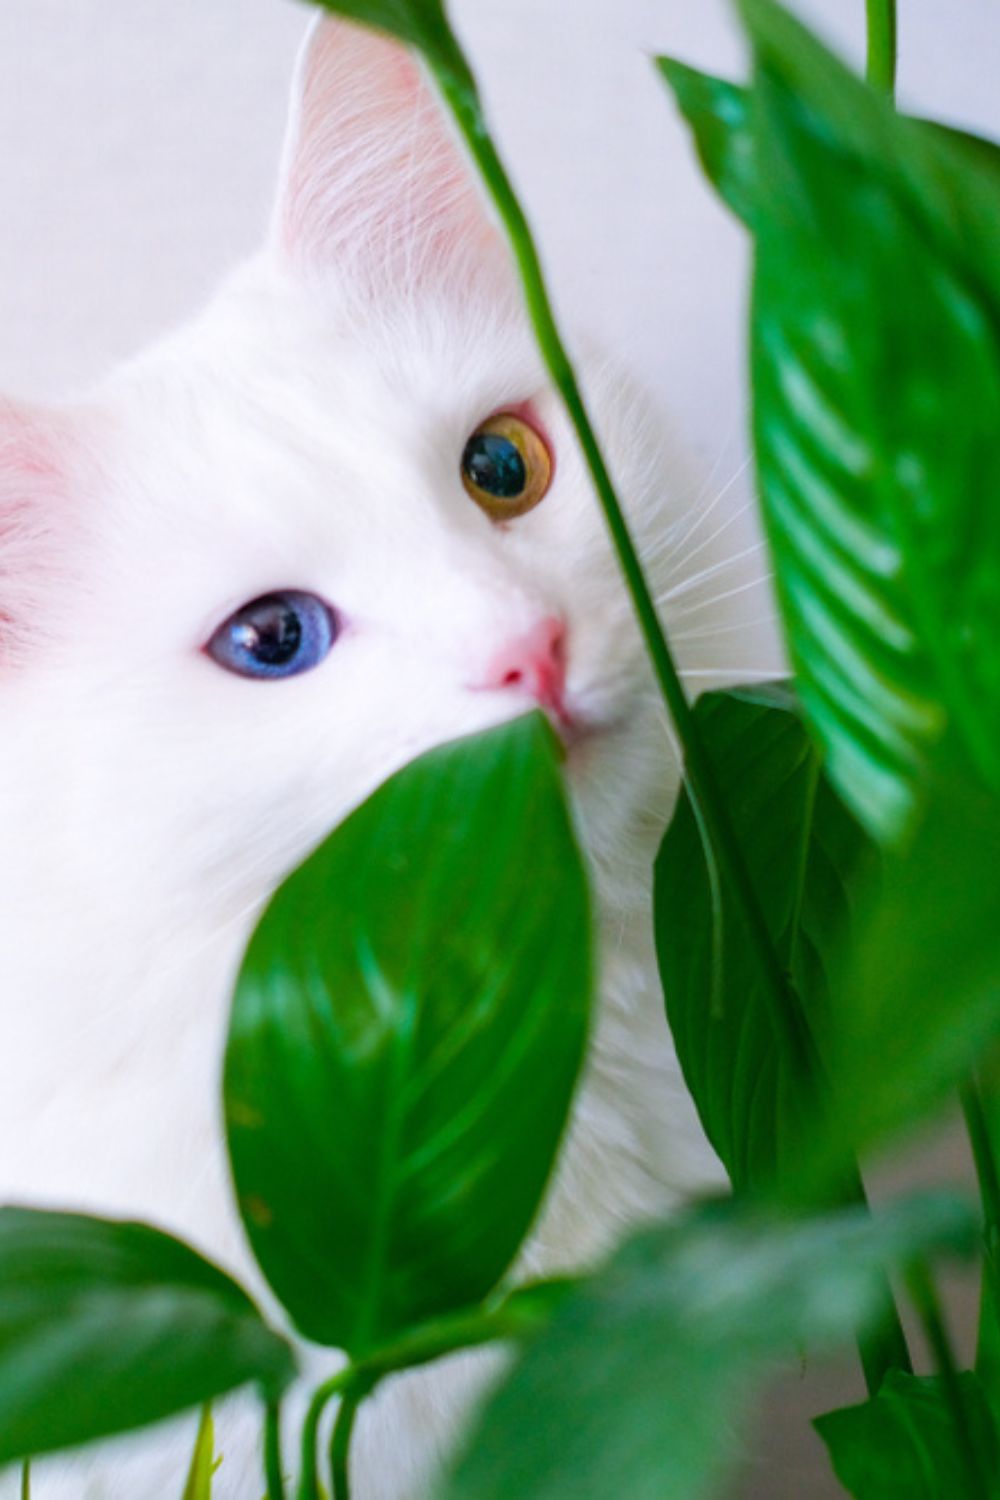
(406, 1034)
(419, 23)
(719, 116)
(876, 370)
(807, 858)
(902, 1445)
(641, 1385)
(203, 1461)
(919, 1004)
(107, 1326)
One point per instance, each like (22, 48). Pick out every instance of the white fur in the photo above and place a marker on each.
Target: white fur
(305, 432)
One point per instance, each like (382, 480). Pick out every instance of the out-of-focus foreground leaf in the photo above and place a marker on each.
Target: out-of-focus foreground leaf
(641, 1385)
(107, 1326)
(807, 858)
(902, 1445)
(406, 1034)
(918, 1007)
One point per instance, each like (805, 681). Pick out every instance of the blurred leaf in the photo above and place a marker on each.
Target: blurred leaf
(806, 857)
(719, 116)
(107, 1326)
(406, 1033)
(876, 370)
(203, 1461)
(419, 23)
(919, 1006)
(902, 1445)
(641, 1384)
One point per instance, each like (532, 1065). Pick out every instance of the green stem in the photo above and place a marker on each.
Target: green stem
(520, 1313)
(340, 1446)
(337, 1385)
(883, 1347)
(982, 1155)
(925, 1300)
(513, 1318)
(26, 1480)
(977, 1126)
(272, 1452)
(882, 45)
(786, 1016)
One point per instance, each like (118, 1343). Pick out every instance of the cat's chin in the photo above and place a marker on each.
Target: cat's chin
(622, 790)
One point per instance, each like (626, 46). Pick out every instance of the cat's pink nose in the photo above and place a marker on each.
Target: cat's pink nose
(533, 664)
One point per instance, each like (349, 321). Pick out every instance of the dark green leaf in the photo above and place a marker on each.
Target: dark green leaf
(876, 368)
(919, 1006)
(405, 1038)
(806, 857)
(903, 1445)
(719, 116)
(641, 1384)
(420, 23)
(107, 1326)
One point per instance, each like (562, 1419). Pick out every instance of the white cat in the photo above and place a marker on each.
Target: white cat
(167, 754)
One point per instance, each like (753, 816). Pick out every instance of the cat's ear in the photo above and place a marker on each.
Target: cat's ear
(40, 520)
(375, 186)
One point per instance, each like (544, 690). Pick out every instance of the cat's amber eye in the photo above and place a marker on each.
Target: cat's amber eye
(506, 466)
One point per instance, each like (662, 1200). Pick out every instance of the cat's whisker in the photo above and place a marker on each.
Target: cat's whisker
(702, 604)
(681, 564)
(741, 674)
(737, 626)
(689, 585)
(695, 513)
(675, 537)
(679, 549)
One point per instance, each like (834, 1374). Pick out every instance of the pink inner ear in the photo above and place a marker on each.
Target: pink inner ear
(376, 186)
(29, 446)
(42, 464)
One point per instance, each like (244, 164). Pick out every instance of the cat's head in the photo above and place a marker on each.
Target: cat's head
(339, 519)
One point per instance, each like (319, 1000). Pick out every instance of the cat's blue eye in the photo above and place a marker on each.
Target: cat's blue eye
(277, 635)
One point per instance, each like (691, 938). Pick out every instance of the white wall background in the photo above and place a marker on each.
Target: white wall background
(139, 140)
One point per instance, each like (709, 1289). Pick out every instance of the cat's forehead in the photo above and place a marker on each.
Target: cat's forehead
(278, 397)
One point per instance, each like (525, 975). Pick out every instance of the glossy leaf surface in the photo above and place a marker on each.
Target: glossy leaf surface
(641, 1384)
(902, 1445)
(876, 369)
(808, 858)
(405, 1039)
(107, 1326)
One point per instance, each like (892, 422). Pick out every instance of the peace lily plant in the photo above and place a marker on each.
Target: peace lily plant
(824, 906)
